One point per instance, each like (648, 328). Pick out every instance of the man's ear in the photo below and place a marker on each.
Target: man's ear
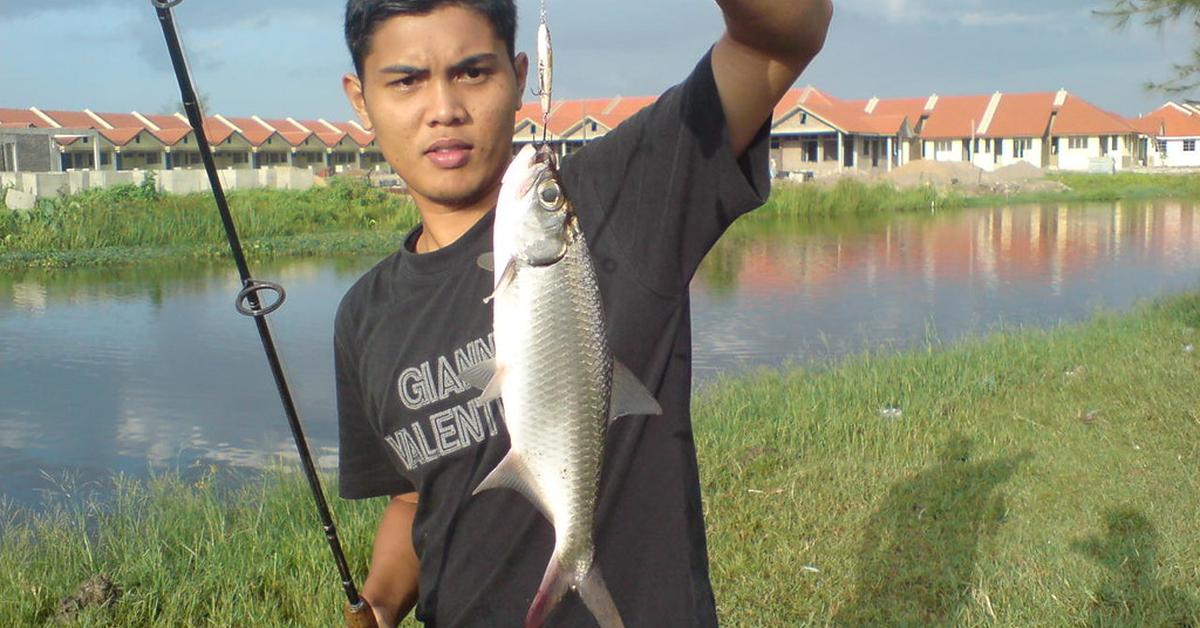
(521, 66)
(353, 87)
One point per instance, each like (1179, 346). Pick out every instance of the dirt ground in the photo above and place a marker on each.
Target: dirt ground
(970, 179)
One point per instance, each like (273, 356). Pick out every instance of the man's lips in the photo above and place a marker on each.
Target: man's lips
(449, 153)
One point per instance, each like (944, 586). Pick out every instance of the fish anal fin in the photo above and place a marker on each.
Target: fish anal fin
(629, 396)
(486, 376)
(513, 473)
(480, 374)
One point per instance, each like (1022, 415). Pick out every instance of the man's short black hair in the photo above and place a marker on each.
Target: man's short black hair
(363, 18)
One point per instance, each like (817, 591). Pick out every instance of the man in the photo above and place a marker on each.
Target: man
(439, 83)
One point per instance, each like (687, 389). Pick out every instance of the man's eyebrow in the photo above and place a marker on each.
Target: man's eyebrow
(402, 69)
(469, 62)
(474, 60)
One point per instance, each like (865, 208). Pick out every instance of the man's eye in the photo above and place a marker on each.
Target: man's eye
(405, 82)
(474, 74)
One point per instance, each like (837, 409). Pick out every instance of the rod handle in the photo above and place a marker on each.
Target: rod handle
(360, 616)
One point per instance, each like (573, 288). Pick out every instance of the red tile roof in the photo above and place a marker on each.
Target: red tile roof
(254, 132)
(1148, 125)
(568, 113)
(955, 117)
(1022, 115)
(120, 137)
(72, 119)
(1079, 117)
(360, 136)
(1178, 121)
(22, 116)
(290, 132)
(330, 137)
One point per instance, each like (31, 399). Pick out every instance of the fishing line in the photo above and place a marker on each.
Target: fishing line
(358, 613)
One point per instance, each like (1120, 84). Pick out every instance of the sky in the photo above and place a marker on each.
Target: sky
(277, 58)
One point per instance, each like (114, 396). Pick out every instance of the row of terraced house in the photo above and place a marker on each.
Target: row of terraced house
(813, 134)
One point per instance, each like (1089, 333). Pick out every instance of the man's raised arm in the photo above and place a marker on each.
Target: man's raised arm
(766, 45)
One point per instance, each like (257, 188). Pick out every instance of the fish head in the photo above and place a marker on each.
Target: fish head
(535, 223)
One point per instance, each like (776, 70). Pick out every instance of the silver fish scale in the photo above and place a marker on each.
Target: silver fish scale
(556, 393)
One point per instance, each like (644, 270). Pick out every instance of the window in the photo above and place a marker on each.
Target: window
(1020, 146)
(803, 118)
(594, 127)
(775, 144)
(810, 151)
(831, 150)
(1077, 143)
(1162, 146)
(945, 146)
(1189, 146)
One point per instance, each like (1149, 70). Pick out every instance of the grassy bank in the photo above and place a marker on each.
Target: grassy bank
(135, 224)
(1029, 478)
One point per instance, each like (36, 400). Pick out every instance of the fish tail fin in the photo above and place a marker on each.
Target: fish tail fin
(591, 588)
(598, 600)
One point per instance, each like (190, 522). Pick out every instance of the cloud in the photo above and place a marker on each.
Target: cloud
(974, 13)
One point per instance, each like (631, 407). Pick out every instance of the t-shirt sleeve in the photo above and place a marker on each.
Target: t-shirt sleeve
(665, 184)
(365, 468)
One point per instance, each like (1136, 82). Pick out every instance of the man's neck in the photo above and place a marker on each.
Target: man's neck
(442, 226)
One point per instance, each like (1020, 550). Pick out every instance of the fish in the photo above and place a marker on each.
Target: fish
(555, 376)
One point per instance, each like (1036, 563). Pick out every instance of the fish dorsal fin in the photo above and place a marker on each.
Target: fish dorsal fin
(629, 396)
(487, 261)
(513, 473)
(486, 377)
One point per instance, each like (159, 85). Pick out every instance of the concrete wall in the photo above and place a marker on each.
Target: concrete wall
(33, 152)
(54, 184)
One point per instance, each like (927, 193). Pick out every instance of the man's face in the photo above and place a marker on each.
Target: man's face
(440, 92)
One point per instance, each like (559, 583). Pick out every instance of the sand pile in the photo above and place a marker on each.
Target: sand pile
(1018, 172)
(936, 173)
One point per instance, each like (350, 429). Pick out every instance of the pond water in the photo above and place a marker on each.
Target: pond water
(140, 369)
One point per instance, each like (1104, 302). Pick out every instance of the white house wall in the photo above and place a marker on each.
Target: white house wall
(1176, 157)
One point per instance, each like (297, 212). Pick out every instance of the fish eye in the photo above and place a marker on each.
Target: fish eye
(550, 195)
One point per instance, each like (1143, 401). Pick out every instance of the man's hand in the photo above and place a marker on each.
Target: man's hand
(391, 586)
(766, 45)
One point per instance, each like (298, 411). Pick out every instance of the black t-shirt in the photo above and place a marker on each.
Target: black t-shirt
(652, 196)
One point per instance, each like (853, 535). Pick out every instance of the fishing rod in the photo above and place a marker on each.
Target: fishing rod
(357, 612)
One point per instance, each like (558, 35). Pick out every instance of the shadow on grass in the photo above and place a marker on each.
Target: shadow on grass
(918, 552)
(1132, 596)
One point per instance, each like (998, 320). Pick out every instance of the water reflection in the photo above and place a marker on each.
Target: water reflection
(150, 366)
(778, 290)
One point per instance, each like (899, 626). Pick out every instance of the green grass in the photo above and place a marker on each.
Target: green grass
(134, 223)
(1027, 478)
(850, 197)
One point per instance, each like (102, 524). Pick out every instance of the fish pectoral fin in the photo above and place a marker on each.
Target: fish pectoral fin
(513, 473)
(486, 376)
(629, 396)
(506, 279)
(487, 261)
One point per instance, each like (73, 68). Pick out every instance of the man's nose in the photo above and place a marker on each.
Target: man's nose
(447, 107)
